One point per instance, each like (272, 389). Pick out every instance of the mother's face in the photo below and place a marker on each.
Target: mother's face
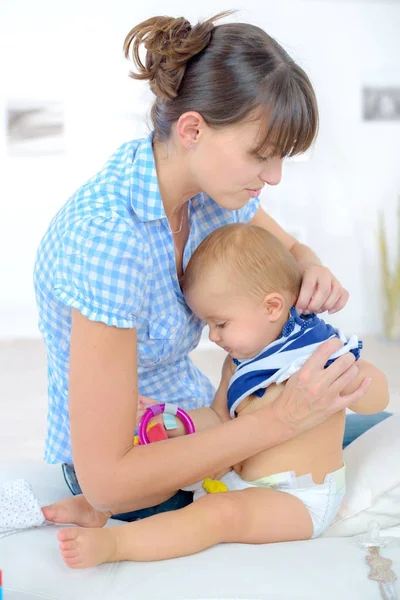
(223, 165)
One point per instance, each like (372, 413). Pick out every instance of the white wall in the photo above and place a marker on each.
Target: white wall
(72, 51)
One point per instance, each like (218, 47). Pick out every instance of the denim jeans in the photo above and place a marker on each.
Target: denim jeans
(178, 500)
(355, 426)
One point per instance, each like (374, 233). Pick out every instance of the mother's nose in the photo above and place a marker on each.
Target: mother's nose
(272, 171)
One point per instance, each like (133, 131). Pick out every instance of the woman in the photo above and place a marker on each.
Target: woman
(230, 105)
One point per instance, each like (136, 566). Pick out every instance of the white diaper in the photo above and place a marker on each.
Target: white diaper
(321, 500)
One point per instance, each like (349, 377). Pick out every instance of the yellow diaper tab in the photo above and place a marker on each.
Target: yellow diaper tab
(271, 481)
(289, 480)
(213, 486)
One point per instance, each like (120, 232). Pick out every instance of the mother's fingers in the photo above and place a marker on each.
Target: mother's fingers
(341, 303)
(306, 293)
(341, 382)
(341, 367)
(320, 357)
(346, 401)
(334, 296)
(321, 293)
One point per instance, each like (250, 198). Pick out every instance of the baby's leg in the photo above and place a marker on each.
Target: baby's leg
(252, 516)
(75, 509)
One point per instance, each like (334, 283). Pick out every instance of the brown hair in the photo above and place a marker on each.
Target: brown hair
(250, 256)
(227, 73)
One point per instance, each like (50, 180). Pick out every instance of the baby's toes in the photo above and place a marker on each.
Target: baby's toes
(68, 534)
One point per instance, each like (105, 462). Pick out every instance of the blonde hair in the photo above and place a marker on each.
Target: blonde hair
(250, 256)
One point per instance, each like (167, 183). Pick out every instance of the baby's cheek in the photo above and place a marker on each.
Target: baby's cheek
(247, 344)
(238, 338)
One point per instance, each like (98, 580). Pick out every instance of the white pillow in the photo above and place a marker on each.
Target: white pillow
(372, 481)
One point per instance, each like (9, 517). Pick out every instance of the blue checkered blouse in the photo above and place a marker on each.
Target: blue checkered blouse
(109, 254)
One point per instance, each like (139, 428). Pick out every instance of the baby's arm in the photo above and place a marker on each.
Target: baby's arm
(205, 418)
(377, 396)
(219, 405)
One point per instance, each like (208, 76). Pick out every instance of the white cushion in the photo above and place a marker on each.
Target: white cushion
(372, 480)
(323, 568)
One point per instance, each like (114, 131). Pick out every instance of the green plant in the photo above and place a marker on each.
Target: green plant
(391, 281)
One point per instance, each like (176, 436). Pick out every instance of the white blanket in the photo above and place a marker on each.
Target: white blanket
(19, 507)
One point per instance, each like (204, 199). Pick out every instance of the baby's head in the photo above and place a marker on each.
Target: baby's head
(242, 281)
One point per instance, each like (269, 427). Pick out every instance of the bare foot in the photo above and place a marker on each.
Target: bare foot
(82, 548)
(75, 510)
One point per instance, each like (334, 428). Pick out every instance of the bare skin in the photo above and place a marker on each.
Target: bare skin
(218, 518)
(232, 517)
(286, 517)
(77, 510)
(103, 401)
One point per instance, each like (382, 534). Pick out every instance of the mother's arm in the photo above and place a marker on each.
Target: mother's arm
(103, 392)
(103, 396)
(320, 290)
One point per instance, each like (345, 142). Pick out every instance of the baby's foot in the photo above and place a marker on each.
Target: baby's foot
(75, 510)
(82, 548)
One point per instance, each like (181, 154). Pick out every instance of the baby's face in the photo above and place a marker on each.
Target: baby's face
(238, 322)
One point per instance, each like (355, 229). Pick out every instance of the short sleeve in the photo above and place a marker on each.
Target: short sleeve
(245, 214)
(100, 270)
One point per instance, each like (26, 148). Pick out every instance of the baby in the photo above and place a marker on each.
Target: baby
(243, 282)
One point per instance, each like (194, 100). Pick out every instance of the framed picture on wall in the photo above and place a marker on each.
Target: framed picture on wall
(381, 103)
(34, 128)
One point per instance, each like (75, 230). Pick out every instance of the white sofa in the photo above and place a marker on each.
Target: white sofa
(326, 568)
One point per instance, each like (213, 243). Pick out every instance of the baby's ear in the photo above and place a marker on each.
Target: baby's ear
(274, 305)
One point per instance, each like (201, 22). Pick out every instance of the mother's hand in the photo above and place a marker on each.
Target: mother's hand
(320, 291)
(313, 393)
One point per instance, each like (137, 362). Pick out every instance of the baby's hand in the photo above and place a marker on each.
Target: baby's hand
(320, 291)
(143, 404)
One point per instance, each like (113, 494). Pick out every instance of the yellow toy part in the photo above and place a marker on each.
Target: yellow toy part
(213, 486)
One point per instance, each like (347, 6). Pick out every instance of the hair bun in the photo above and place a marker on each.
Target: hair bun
(169, 44)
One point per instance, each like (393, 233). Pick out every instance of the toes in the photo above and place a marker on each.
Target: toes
(67, 534)
(69, 553)
(70, 545)
(56, 514)
(50, 513)
(73, 563)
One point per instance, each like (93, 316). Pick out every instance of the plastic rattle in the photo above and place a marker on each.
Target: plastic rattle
(158, 409)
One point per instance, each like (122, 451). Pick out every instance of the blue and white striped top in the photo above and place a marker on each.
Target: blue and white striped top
(109, 253)
(282, 358)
